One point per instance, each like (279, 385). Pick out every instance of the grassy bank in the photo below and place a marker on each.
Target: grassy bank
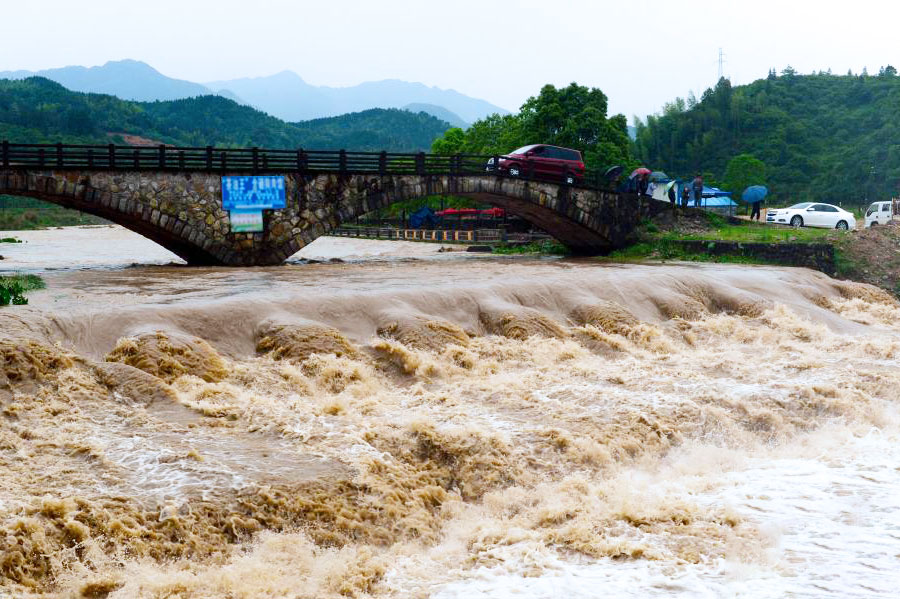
(548, 247)
(869, 256)
(664, 249)
(24, 214)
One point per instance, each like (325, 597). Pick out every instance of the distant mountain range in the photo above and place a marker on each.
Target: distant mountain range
(126, 79)
(289, 97)
(37, 110)
(284, 95)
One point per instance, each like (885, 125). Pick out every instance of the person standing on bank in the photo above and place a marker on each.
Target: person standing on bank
(673, 195)
(697, 187)
(685, 195)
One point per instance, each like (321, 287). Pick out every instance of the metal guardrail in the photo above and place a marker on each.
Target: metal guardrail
(257, 160)
(440, 235)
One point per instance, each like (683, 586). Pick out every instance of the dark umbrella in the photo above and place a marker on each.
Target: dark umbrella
(639, 171)
(613, 173)
(754, 193)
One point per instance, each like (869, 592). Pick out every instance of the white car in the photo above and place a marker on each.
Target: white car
(810, 214)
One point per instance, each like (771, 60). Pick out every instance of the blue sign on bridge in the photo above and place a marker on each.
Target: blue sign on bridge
(253, 193)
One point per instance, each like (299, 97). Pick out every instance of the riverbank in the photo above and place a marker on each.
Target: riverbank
(28, 214)
(864, 255)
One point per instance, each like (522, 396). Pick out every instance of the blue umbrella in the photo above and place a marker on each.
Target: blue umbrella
(754, 193)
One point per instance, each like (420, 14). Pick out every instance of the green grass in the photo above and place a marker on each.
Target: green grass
(663, 250)
(10, 240)
(27, 282)
(757, 233)
(14, 287)
(23, 214)
(535, 247)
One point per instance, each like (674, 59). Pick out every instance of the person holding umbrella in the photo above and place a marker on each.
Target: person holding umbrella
(754, 195)
(673, 195)
(641, 179)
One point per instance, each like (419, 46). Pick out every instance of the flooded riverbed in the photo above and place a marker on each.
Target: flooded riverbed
(416, 423)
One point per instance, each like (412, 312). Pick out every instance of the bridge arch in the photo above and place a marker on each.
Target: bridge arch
(182, 211)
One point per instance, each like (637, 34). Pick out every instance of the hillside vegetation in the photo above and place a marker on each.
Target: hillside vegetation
(573, 116)
(821, 137)
(37, 110)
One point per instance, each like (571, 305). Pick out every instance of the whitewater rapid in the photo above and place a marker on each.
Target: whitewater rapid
(409, 423)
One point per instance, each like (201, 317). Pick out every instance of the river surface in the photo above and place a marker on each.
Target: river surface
(385, 419)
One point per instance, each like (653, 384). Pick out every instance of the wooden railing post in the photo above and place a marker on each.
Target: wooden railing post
(223, 160)
(112, 155)
(59, 155)
(382, 163)
(137, 159)
(41, 157)
(301, 161)
(181, 159)
(5, 153)
(162, 156)
(496, 164)
(342, 162)
(91, 157)
(255, 159)
(209, 157)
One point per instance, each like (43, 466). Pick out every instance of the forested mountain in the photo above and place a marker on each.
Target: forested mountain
(284, 95)
(37, 110)
(821, 137)
(438, 112)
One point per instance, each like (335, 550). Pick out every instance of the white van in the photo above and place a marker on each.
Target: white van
(879, 213)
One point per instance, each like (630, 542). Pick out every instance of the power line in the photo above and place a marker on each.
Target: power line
(721, 64)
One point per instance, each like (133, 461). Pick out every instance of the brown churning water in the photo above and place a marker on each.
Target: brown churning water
(433, 428)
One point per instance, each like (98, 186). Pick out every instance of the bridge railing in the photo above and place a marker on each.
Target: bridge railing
(262, 161)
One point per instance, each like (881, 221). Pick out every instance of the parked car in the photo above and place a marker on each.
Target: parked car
(811, 214)
(541, 162)
(879, 213)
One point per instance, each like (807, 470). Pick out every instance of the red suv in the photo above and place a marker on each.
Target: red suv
(542, 162)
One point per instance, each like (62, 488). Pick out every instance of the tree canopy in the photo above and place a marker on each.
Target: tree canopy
(574, 117)
(743, 171)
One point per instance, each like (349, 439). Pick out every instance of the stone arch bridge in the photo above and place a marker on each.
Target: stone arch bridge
(173, 196)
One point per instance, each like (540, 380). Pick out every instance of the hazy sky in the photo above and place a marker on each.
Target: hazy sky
(640, 53)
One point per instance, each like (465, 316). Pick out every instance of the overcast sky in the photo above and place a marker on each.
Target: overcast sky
(640, 53)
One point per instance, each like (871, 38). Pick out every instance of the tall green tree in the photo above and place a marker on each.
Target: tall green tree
(574, 117)
(743, 171)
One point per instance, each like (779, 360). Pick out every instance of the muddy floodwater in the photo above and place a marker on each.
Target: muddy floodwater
(381, 419)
